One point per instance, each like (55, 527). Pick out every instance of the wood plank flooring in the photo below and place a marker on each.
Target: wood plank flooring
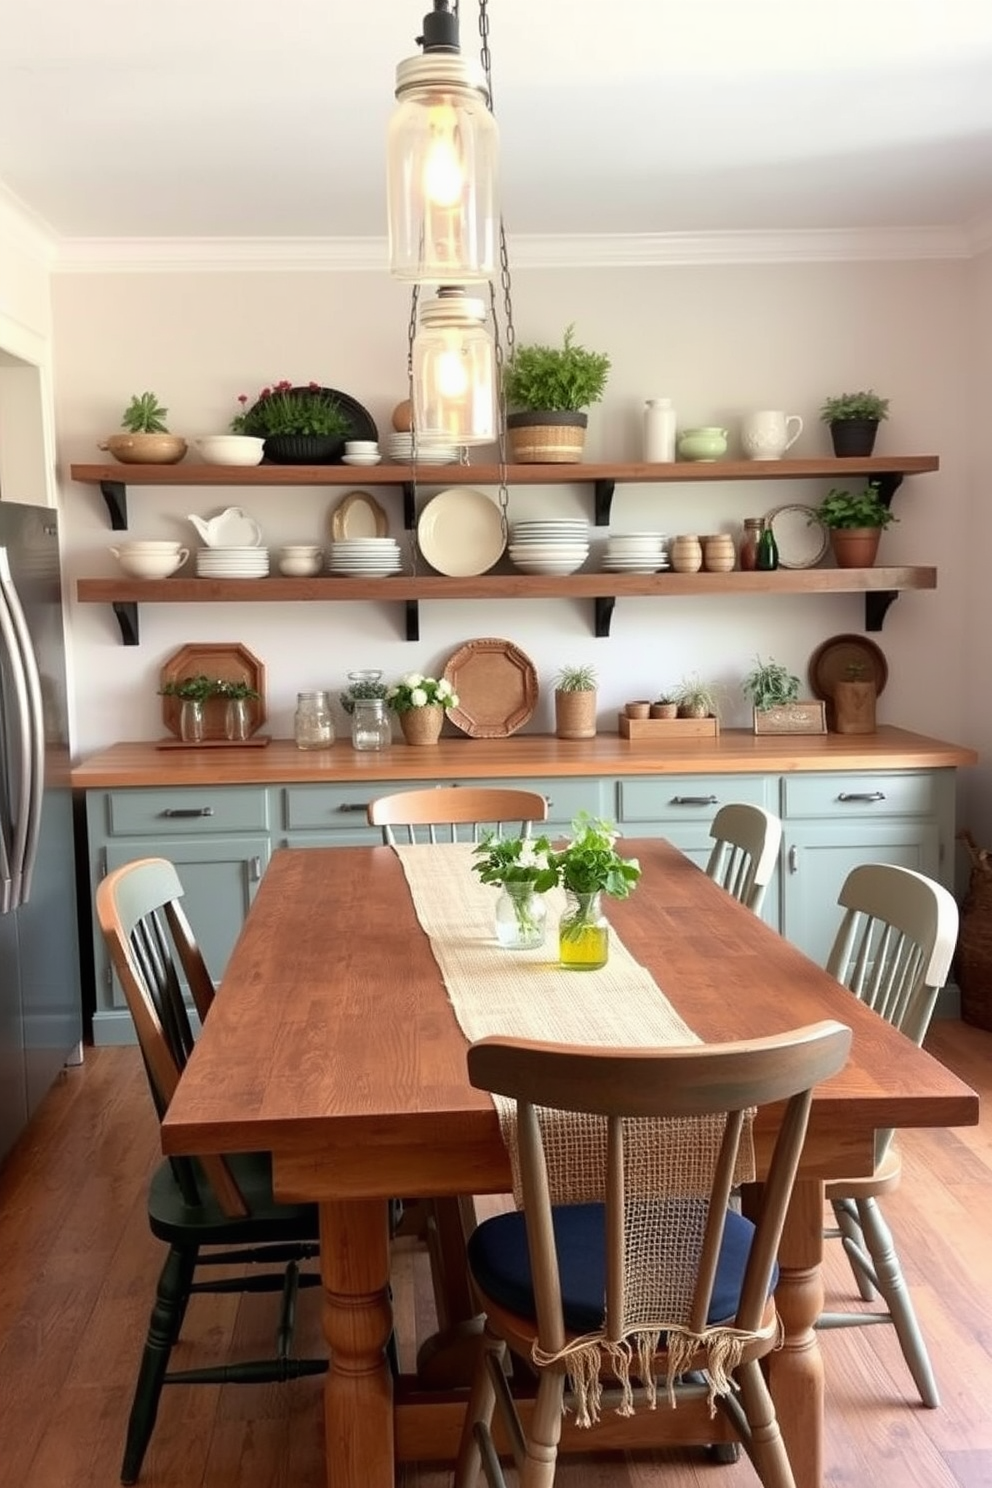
(77, 1268)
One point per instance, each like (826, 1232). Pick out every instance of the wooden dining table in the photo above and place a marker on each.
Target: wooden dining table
(332, 1045)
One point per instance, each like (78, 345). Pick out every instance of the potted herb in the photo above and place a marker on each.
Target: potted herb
(548, 389)
(773, 692)
(588, 867)
(695, 699)
(520, 868)
(855, 520)
(239, 723)
(420, 702)
(853, 419)
(300, 425)
(575, 702)
(362, 686)
(192, 693)
(664, 707)
(148, 441)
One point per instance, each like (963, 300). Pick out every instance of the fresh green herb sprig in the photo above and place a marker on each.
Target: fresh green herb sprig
(523, 861)
(590, 863)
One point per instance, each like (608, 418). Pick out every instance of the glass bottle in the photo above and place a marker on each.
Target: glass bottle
(767, 549)
(749, 543)
(370, 726)
(313, 727)
(237, 720)
(583, 933)
(191, 721)
(521, 915)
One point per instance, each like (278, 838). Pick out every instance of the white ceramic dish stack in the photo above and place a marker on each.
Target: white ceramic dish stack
(364, 558)
(399, 449)
(636, 552)
(549, 547)
(232, 563)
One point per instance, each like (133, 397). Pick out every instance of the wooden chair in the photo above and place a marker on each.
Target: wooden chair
(745, 851)
(447, 807)
(893, 950)
(557, 1273)
(210, 1201)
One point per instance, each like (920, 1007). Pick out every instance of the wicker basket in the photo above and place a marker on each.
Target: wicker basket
(973, 957)
(546, 438)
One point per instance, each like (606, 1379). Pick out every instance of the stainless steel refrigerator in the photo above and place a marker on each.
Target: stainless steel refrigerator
(40, 1006)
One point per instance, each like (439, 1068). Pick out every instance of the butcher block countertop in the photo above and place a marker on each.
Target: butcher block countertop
(522, 756)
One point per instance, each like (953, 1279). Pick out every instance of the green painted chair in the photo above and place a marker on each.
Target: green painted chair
(211, 1211)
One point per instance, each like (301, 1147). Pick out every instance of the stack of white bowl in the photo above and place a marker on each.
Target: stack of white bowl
(636, 552)
(364, 557)
(150, 560)
(232, 563)
(399, 449)
(549, 547)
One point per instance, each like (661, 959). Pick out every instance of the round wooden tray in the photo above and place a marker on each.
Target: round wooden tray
(496, 686)
(831, 661)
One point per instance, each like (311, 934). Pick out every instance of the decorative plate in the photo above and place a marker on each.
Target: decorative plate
(831, 663)
(801, 537)
(496, 686)
(358, 515)
(460, 532)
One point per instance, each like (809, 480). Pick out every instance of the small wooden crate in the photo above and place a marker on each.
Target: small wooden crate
(658, 730)
(792, 718)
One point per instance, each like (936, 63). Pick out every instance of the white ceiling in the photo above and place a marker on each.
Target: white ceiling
(247, 119)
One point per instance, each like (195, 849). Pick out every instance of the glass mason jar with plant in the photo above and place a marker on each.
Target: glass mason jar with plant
(520, 868)
(238, 716)
(588, 867)
(192, 693)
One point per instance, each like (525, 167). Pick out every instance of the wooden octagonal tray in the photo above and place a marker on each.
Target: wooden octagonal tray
(227, 661)
(496, 686)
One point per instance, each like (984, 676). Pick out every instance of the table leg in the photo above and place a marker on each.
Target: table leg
(795, 1372)
(358, 1321)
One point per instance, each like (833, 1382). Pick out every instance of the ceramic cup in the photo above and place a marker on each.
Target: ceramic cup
(768, 434)
(361, 447)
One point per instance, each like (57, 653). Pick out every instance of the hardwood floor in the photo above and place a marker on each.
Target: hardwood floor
(78, 1266)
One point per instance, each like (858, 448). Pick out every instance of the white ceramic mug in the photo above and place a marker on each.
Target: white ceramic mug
(768, 434)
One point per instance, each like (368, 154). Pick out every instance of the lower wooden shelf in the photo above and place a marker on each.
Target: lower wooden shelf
(880, 587)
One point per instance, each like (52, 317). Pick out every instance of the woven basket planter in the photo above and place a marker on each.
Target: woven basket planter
(422, 725)
(546, 438)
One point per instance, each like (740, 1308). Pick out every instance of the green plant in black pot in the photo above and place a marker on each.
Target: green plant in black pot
(853, 419)
(300, 425)
(548, 389)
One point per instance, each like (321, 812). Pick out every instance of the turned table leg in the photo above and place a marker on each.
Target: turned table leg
(795, 1372)
(358, 1396)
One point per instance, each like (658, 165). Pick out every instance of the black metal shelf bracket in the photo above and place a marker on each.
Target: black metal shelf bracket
(604, 501)
(115, 495)
(409, 506)
(413, 620)
(604, 614)
(877, 604)
(126, 611)
(886, 484)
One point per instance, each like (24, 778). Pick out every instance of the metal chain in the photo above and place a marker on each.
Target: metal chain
(410, 334)
(504, 348)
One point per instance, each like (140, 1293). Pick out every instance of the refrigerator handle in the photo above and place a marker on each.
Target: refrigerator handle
(27, 685)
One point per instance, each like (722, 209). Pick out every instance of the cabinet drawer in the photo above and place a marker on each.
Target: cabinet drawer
(848, 795)
(330, 808)
(225, 808)
(675, 798)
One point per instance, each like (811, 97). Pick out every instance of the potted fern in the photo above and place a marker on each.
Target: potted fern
(575, 702)
(548, 389)
(147, 441)
(853, 419)
(773, 692)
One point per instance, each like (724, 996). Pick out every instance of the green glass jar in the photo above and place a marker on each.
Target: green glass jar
(583, 933)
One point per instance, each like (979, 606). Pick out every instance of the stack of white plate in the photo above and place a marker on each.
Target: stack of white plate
(232, 563)
(636, 552)
(549, 547)
(364, 557)
(399, 448)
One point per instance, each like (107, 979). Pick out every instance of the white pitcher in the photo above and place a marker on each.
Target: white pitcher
(768, 434)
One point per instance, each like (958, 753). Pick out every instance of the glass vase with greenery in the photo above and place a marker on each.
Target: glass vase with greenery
(520, 867)
(588, 867)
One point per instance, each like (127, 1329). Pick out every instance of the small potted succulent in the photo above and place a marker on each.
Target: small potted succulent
(148, 441)
(695, 699)
(300, 425)
(853, 419)
(588, 867)
(855, 521)
(548, 389)
(575, 702)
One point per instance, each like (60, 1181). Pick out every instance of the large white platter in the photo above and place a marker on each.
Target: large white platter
(460, 532)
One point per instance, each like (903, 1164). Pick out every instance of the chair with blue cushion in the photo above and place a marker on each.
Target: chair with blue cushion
(745, 851)
(558, 1281)
(893, 950)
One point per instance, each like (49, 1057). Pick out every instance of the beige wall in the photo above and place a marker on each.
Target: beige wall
(718, 340)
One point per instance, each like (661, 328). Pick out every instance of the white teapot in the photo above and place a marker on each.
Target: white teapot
(232, 528)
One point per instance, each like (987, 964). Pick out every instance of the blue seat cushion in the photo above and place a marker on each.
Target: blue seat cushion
(499, 1261)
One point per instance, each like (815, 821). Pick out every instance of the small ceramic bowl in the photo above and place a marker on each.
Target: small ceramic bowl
(150, 565)
(230, 449)
(360, 459)
(300, 568)
(361, 446)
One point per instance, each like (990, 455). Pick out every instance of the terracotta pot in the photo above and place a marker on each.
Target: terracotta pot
(575, 715)
(638, 710)
(422, 725)
(855, 547)
(664, 710)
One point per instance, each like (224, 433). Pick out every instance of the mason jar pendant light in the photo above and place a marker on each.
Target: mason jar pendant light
(453, 371)
(442, 163)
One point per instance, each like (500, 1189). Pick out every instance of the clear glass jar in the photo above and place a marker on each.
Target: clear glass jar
(237, 720)
(583, 933)
(521, 915)
(313, 727)
(370, 726)
(191, 721)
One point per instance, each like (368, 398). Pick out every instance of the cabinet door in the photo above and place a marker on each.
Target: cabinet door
(220, 876)
(818, 856)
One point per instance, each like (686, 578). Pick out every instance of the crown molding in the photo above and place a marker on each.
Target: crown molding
(576, 251)
(25, 230)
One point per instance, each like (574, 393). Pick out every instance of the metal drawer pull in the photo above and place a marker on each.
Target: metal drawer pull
(693, 801)
(793, 860)
(175, 811)
(361, 806)
(861, 796)
(255, 870)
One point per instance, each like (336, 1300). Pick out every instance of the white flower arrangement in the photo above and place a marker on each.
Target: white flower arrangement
(417, 691)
